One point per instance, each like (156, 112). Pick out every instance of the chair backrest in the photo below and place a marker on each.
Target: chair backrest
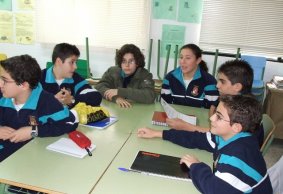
(269, 128)
(276, 176)
(82, 68)
(257, 63)
(3, 56)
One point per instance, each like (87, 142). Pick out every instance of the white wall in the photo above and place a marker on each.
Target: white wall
(101, 59)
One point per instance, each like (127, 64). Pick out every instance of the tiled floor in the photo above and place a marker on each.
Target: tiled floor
(274, 153)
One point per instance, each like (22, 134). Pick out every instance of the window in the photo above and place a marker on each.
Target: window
(107, 23)
(255, 26)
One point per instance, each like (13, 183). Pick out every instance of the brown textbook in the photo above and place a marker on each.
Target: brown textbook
(159, 118)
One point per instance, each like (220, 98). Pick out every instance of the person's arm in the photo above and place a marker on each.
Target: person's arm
(143, 93)
(166, 90)
(149, 133)
(212, 110)
(6, 132)
(83, 92)
(190, 139)
(53, 125)
(106, 82)
(184, 138)
(179, 124)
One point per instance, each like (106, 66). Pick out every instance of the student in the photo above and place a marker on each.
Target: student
(190, 84)
(129, 81)
(239, 166)
(62, 80)
(26, 110)
(234, 77)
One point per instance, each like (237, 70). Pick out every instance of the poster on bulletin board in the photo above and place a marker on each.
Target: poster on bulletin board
(172, 35)
(6, 27)
(190, 11)
(164, 9)
(6, 5)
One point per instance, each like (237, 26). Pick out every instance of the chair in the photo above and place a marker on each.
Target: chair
(82, 68)
(258, 65)
(276, 176)
(269, 128)
(3, 56)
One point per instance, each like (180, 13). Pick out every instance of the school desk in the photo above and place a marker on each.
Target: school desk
(119, 182)
(37, 168)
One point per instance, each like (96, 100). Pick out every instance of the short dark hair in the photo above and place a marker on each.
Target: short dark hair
(243, 109)
(22, 69)
(133, 49)
(198, 53)
(238, 71)
(63, 51)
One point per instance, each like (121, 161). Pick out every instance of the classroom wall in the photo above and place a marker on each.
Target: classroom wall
(101, 58)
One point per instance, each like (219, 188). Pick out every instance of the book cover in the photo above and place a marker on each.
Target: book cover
(159, 118)
(68, 147)
(160, 165)
(103, 123)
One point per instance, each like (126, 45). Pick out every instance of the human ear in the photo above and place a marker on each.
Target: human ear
(238, 87)
(237, 127)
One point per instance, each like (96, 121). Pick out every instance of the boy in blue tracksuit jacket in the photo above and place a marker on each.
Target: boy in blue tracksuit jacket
(238, 165)
(62, 80)
(26, 110)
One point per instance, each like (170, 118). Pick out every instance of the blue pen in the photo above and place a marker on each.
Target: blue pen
(128, 170)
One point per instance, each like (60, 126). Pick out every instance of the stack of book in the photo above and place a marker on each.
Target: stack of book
(278, 81)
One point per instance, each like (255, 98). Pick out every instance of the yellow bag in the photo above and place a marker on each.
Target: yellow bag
(88, 114)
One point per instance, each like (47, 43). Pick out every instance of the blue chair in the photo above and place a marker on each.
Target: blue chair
(258, 65)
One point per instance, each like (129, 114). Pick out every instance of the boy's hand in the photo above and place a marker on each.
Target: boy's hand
(123, 103)
(177, 123)
(60, 96)
(149, 133)
(20, 135)
(6, 132)
(189, 160)
(67, 96)
(108, 94)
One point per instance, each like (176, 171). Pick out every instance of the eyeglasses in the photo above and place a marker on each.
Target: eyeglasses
(219, 118)
(130, 62)
(4, 81)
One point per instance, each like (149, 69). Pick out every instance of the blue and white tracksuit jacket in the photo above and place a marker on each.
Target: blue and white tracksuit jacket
(80, 89)
(201, 92)
(240, 167)
(52, 118)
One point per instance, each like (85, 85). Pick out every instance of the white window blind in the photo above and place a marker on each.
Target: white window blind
(107, 23)
(255, 26)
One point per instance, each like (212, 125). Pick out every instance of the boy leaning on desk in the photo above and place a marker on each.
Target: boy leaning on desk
(26, 110)
(238, 165)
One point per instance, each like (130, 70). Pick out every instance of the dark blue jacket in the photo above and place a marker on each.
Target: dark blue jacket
(240, 165)
(52, 117)
(201, 92)
(79, 87)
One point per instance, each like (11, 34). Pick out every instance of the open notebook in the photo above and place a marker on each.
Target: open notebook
(159, 118)
(160, 165)
(67, 146)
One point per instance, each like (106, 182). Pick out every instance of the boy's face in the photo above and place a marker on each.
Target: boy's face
(129, 65)
(220, 123)
(9, 87)
(68, 67)
(225, 86)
